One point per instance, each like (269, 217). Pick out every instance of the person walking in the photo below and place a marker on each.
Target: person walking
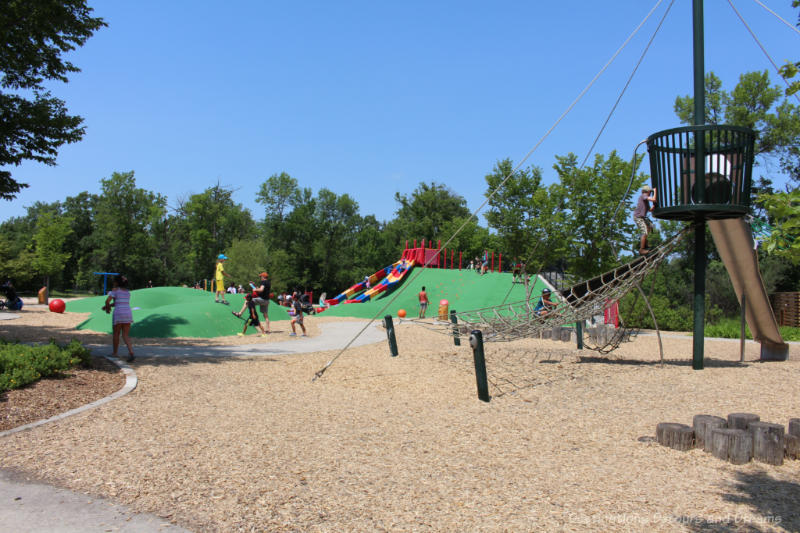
(219, 279)
(120, 299)
(252, 318)
(261, 295)
(423, 302)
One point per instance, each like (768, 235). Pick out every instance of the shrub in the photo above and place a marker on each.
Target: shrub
(21, 364)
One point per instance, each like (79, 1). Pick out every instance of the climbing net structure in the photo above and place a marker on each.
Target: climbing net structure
(579, 302)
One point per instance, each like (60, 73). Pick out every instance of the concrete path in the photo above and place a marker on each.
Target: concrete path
(27, 506)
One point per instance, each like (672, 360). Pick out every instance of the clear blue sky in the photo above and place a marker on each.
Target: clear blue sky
(371, 98)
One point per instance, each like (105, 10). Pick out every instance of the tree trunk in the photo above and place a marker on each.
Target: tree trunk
(675, 436)
(741, 420)
(768, 442)
(732, 445)
(703, 424)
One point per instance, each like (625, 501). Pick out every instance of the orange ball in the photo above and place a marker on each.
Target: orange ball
(401, 313)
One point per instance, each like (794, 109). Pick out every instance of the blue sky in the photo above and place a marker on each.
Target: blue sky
(372, 98)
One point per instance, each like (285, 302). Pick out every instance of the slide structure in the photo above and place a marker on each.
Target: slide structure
(734, 243)
(381, 281)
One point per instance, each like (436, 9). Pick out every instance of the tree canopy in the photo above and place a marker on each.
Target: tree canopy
(34, 36)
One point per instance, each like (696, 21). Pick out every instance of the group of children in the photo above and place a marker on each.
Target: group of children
(260, 296)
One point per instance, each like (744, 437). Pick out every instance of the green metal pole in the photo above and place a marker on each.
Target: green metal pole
(699, 188)
(579, 333)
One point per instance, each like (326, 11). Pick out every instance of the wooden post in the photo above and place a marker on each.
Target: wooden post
(703, 425)
(793, 439)
(741, 420)
(500, 262)
(459, 259)
(387, 321)
(476, 341)
(675, 436)
(768, 442)
(732, 445)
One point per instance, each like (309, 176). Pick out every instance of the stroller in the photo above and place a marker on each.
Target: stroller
(12, 301)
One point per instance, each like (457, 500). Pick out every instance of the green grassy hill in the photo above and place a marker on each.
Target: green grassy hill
(181, 312)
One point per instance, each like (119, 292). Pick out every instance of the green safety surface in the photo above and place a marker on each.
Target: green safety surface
(464, 290)
(182, 312)
(174, 312)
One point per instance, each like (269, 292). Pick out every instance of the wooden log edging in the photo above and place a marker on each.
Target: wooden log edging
(676, 436)
(703, 425)
(738, 439)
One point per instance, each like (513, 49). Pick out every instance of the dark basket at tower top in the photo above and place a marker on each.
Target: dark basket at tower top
(727, 153)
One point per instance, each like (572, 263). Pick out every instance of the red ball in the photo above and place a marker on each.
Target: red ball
(57, 306)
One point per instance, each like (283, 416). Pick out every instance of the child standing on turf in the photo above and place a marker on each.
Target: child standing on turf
(219, 297)
(423, 302)
(252, 318)
(297, 318)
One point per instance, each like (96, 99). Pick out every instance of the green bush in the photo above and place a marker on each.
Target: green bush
(730, 328)
(21, 364)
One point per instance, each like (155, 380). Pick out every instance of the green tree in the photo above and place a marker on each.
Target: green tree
(790, 70)
(213, 221)
(423, 214)
(784, 215)
(515, 209)
(50, 239)
(34, 35)
(754, 103)
(122, 238)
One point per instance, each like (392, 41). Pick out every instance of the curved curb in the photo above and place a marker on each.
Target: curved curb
(131, 381)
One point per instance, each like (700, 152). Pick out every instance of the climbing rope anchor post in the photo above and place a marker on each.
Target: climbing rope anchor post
(476, 342)
(387, 321)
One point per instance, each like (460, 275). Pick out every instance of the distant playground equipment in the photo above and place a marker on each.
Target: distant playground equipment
(388, 278)
(57, 306)
(105, 279)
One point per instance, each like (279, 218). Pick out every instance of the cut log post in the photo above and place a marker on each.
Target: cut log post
(793, 446)
(733, 445)
(741, 420)
(547, 333)
(703, 424)
(556, 333)
(794, 427)
(675, 436)
(768, 442)
(566, 334)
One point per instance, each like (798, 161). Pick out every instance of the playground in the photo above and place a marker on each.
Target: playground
(402, 443)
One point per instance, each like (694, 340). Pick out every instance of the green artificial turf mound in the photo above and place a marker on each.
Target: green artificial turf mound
(164, 312)
(464, 290)
(174, 312)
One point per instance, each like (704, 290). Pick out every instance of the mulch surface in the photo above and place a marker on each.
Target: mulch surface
(55, 395)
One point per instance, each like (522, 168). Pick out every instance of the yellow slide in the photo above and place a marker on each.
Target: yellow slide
(735, 246)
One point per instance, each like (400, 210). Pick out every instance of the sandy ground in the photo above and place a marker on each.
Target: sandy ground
(382, 443)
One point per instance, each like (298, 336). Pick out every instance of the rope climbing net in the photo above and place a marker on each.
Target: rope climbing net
(579, 302)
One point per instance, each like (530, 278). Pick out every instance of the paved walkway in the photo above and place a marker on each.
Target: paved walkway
(27, 506)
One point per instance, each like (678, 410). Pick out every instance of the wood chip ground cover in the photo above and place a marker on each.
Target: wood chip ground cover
(383, 443)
